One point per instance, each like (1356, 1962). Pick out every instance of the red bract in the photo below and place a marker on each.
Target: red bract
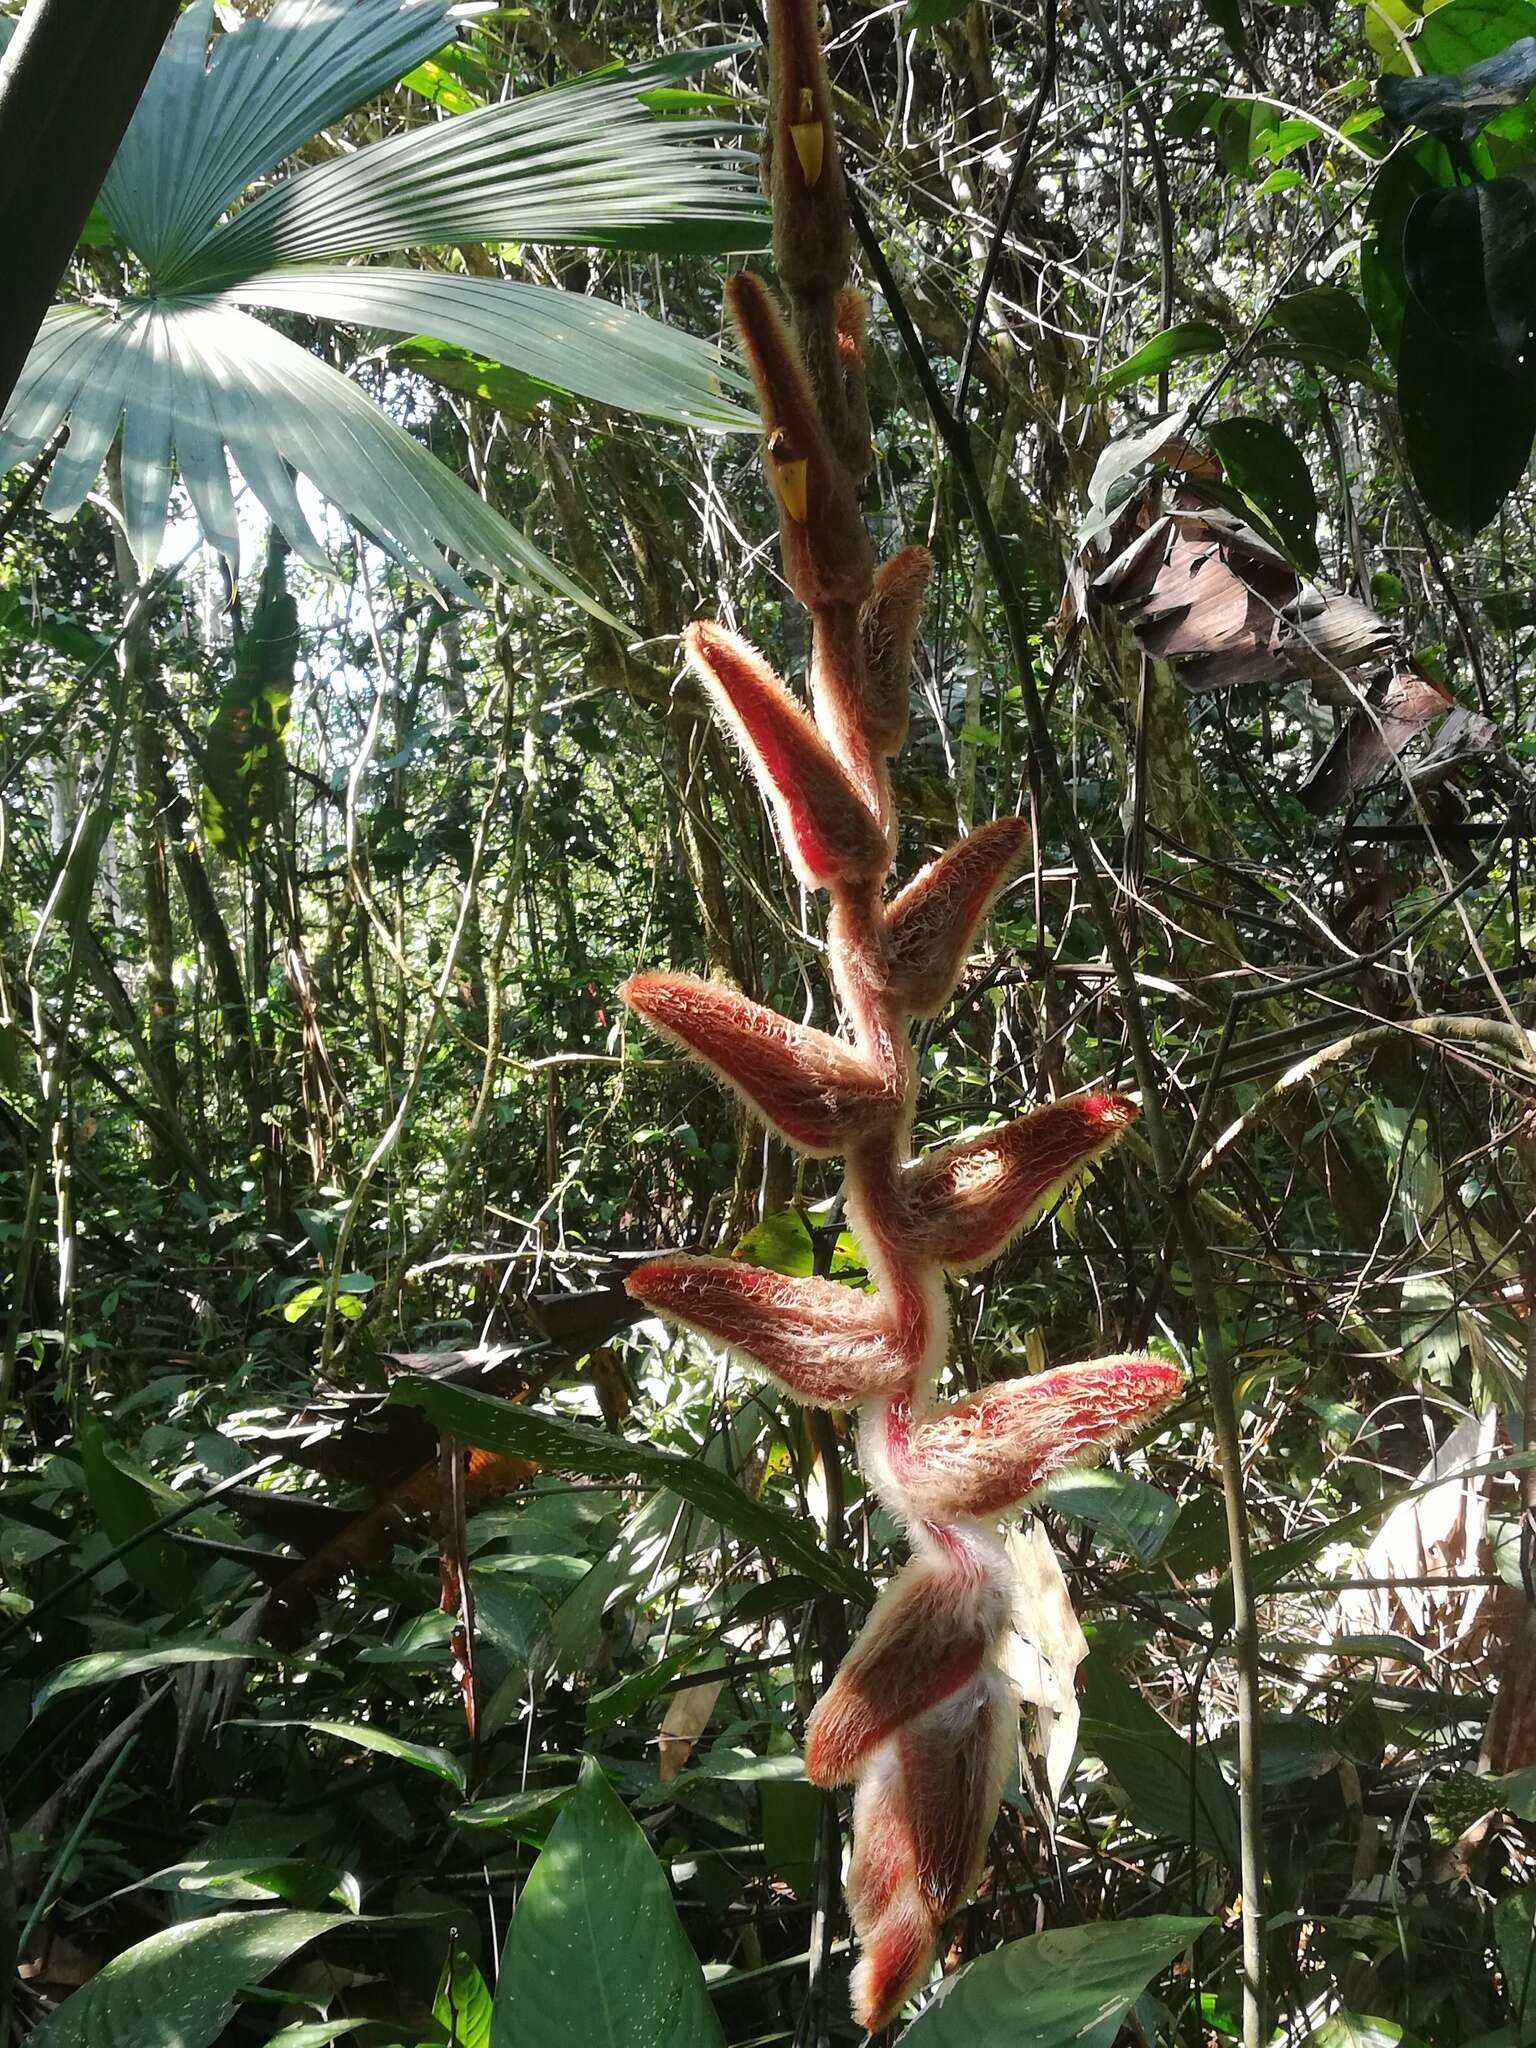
(815, 1090)
(926, 1637)
(828, 1345)
(826, 827)
(889, 620)
(920, 1713)
(960, 1206)
(930, 925)
(991, 1451)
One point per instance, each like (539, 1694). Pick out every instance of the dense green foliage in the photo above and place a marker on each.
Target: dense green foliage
(321, 1132)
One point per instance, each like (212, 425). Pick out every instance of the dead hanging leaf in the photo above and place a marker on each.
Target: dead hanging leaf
(1439, 1534)
(606, 1373)
(366, 1538)
(685, 1720)
(1464, 735)
(1041, 1656)
(1204, 591)
(1201, 588)
(1396, 708)
(588, 1317)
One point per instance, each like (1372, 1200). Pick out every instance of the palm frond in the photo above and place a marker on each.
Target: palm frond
(586, 346)
(216, 380)
(193, 382)
(586, 165)
(222, 110)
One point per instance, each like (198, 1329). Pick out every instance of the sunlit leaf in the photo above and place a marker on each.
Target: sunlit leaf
(179, 1987)
(1067, 1988)
(596, 1953)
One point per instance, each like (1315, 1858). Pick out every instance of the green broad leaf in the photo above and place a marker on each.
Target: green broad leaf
(1401, 182)
(1067, 1988)
(179, 1987)
(1467, 255)
(1324, 317)
(1262, 463)
(1191, 114)
(773, 1596)
(1400, 1648)
(462, 2007)
(128, 1501)
(299, 1305)
(1356, 2030)
(106, 1667)
(1514, 1929)
(617, 1703)
(925, 15)
(316, 2033)
(457, 369)
(1171, 1788)
(1190, 338)
(1468, 424)
(725, 1765)
(1285, 138)
(516, 1619)
(438, 86)
(1227, 15)
(782, 1243)
(791, 1827)
(1123, 462)
(596, 1956)
(1517, 1791)
(97, 232)
(493, 1425)
(528, 1815)
(1292, 1749)
(1389, 593)
(1285, 180)
(1243, 127)
(424, 1755)
(297, 1880)
(1127, 1511)
(1329, 362)
(1337, 1416)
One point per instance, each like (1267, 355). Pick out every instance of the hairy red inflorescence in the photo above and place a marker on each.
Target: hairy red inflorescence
(920, 1714)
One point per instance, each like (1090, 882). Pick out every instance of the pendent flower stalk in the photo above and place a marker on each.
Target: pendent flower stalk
(920, 1717)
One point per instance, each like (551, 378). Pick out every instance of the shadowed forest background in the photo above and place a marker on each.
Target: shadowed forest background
(404, 1638)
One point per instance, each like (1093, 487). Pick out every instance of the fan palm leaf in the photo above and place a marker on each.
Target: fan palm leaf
(191, 380)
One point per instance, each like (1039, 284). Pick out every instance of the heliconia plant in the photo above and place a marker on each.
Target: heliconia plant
(920, 1717)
